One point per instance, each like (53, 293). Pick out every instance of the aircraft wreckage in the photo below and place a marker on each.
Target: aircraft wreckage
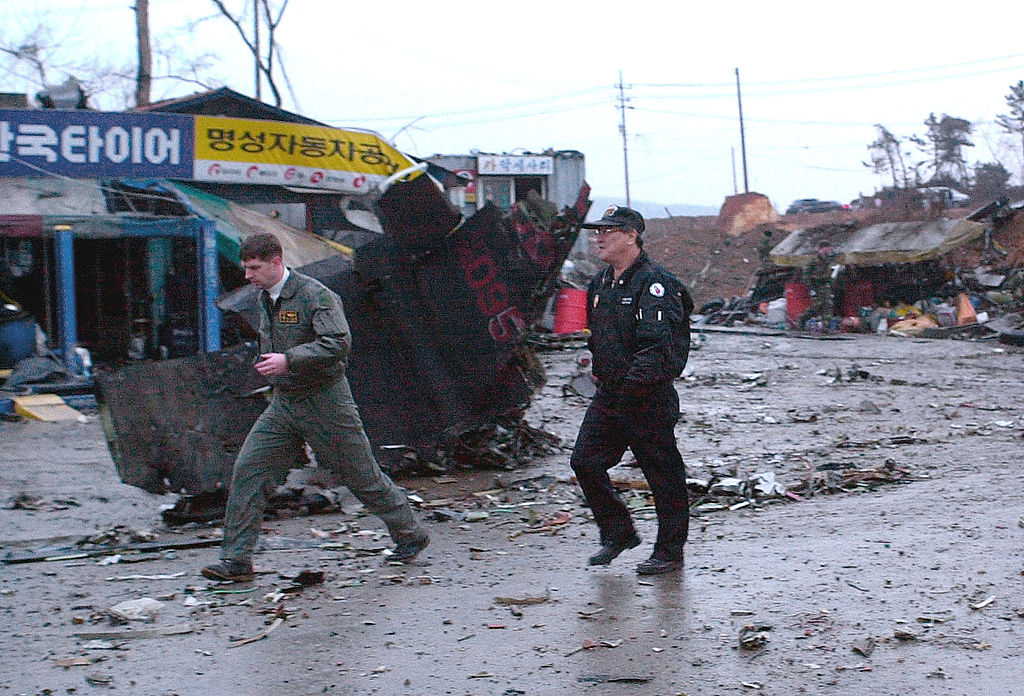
(438, 306)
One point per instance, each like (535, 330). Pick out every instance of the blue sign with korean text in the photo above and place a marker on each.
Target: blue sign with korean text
(89, 144)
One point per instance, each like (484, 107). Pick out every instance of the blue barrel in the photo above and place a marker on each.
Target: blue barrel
(17, 338)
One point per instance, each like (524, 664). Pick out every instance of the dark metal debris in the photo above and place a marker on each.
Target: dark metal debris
(438, 313)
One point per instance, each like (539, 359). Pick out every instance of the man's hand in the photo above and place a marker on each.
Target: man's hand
(272, 364)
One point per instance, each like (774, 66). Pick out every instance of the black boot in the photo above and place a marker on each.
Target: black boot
(231, 571)
(408, 549)
(658, 566)
(610, 550)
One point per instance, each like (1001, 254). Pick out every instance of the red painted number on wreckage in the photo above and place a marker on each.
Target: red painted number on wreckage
(539, 247)
(492, 298)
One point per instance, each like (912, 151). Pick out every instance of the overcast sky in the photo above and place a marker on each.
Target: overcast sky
(501, 76)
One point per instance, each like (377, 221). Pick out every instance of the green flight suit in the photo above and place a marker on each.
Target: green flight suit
(311, 403)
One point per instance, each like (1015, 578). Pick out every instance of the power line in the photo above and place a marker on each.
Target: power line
(482, 109)
(514, 117)
(724, 117)
(841, 88)
(838, 77)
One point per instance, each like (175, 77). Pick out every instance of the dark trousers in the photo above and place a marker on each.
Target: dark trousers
(647, 427)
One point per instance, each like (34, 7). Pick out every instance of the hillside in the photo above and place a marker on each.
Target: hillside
(714, 264)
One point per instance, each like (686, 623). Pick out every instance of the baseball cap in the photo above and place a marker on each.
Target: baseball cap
(619, 216)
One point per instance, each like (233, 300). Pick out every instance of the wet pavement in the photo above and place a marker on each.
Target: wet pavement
(892, 585)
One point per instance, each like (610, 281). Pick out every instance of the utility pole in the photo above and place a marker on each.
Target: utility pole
(256, 44)
(732, 152)
(144, 78)
(622, 129)
(743, 139)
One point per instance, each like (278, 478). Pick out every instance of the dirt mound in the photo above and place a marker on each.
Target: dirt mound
(1003, 248)
(741, 212)
(711, 263)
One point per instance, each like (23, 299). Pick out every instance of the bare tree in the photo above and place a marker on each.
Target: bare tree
(46, 53)
(1013, 122)
(943, 146)
(949, 136)
(886, 156)
(263, 56)
(32, 49)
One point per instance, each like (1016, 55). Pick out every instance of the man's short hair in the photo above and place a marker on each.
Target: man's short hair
(263, 246)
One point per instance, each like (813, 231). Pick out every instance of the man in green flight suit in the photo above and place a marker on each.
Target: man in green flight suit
(304, 347)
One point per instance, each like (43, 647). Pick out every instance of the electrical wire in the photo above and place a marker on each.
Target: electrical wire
(86, 183)
(484, 109)
(834, 78)
(513, 117)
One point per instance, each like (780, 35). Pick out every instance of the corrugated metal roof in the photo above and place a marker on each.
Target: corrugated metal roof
(888, 242)
(51, 196)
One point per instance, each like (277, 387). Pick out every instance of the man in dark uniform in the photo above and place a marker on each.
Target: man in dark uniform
(304, 347)
(638, 315)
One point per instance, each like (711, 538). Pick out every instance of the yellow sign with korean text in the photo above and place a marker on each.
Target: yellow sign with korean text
(245, 151)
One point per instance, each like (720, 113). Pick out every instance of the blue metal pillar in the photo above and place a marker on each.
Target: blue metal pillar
(67, 318)
(209, 285)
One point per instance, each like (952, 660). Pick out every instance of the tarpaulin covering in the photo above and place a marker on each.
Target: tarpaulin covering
(235, 222)
(872, 245)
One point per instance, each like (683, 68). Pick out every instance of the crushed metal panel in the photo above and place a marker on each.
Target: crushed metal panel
(176, 425)
(889, 242)
(437, 317)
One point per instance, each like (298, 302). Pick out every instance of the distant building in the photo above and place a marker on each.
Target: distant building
(506, 178)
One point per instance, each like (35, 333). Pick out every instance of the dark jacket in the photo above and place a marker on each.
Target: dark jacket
(640, 328)
(308, 325)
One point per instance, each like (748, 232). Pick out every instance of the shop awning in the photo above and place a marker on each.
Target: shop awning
(235, 222)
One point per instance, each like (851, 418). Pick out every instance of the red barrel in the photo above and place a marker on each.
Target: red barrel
(859, 293)
(570, 311)
(798, 300)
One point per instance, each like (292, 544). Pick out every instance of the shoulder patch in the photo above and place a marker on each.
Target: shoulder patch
(657, 289)
(323, 297)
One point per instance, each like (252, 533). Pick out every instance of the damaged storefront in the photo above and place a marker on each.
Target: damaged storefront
(931, 277)
(439, 303)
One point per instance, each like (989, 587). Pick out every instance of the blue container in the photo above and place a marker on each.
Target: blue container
(17, 339)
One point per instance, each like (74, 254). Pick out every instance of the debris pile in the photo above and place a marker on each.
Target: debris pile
(835, 481)
(937, 278)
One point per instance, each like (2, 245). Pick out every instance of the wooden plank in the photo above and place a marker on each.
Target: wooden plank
(44, 407)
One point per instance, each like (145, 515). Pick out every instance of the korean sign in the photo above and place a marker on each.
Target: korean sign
(90, 144)
(526, 165)
(269, 152)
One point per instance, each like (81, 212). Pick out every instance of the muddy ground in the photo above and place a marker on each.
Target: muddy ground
(911, 583)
